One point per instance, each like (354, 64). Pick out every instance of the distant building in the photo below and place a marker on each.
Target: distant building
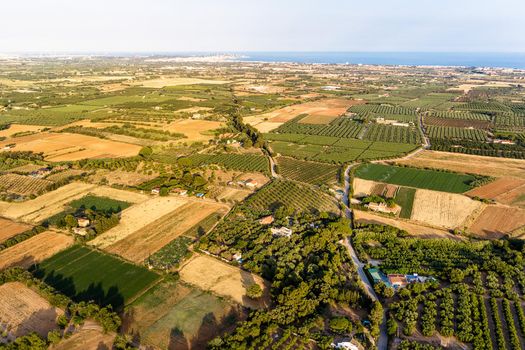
(383, 208)
(237, 257)
(281, 231)
(200, 195)
(251, 183)
(397, 281)
(83, 222)
(155, 190)
(81, 231)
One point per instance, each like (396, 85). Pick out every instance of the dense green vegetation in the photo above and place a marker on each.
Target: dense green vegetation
(443, 132)
(309, 172)
(102, 204)
(413, 177)
(171, 254)
(127, 130)
(76, 273)
(291, 194)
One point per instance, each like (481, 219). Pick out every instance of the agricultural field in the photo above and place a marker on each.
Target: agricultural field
(482, 124)
(34, 250)
(442, 209)
(488, 166)
(16, 129)
(242, 162)
(149, 239)
(405, 198)
(419, 178)
(173, 315)
(11, 229)
(89, 336)
(505, 190)
(67, 147)
(136, 218)
(75, 272)
(291, 194)
(23, 311)
(309, 172)
(498, 221)
(23, 185)
(412, 228)
(452, 133)
(51, 203)
(213, 275)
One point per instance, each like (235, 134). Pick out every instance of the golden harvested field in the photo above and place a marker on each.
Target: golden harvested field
(34, 249)
(24, 311)
(363, 188)
(51, 203)
(10, 229)
(498, 221)
(232, 194)
(443, 209)
(195, 130)
(219, 277)
(90, 336)
(175, 81)
(491, 166)
(46, 205)
(324, 111)
(23, 185)
(15, 128)
(136, 218)
(412, 228)
(67, 147)
(150, 238)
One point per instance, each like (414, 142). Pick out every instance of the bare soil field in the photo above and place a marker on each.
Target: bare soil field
(411, 228)
(16, 128)
(498, 221)
(390, 191)
(324, 111)
(491, 166)
(363, 188)
(442, 209)
(46, 205)
(23, 311)
(90, 336)
(175, 81)
(136, 218)
(515, 197)
(11, 229)
(67, 147)
(496, 188)
(217, 276)
(195, 130)
(34, 249)
(150, 238)
(120, 177)
(23, 185)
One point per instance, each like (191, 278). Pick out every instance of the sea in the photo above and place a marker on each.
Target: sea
(463, 59)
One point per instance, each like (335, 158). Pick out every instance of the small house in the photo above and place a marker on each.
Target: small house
(238, 257)
(83, 222)
(281, 231)
(155, 190)
(81, 231)
(345, 345)
(397, 281)
(251, 183)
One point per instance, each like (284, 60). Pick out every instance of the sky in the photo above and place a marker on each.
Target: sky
(262, 25)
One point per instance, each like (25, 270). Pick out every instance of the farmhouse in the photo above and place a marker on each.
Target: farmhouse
(251, 183)
(397, 281)
(81, 231)
(282, 231)
(83, 222)
(383, 208)
(155, 190)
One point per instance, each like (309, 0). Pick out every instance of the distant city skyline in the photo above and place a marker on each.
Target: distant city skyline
(271, 25)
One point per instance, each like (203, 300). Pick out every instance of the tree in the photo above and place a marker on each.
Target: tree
(145, 152)
(254, 291)
(391, 327)
(341, 325)
(70, 221)
(164, 191)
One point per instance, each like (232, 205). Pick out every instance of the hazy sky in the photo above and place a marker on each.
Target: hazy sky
(262, 25)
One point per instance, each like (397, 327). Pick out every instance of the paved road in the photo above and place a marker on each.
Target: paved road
(382, 343)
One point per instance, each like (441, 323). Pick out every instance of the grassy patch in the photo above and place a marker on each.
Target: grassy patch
(405, 198)
(103, 204)
(86, 274)
(419, 178)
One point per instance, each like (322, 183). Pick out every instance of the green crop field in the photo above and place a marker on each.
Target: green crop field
(446, 132)
(104, 204)
(243, 162)
(419, 178)
(171, 254)
(405, 198)
(309, 172)
(86, 274)
(301, 197)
